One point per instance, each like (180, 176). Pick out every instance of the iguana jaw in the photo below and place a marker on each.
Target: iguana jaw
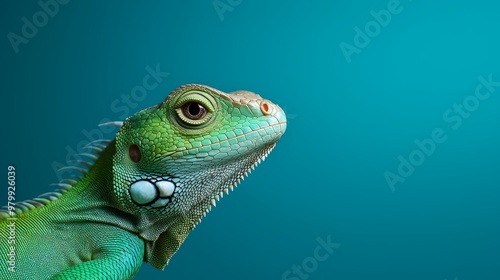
(218, 193)
(172, 232)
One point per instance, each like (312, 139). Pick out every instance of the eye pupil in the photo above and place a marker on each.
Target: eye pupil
(134, 153)
(194, 108)
(194, 111)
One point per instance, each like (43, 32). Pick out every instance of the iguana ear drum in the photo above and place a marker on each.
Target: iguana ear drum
(154, 194)
(134, 153)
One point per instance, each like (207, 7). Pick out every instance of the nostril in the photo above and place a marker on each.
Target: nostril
(265, 107)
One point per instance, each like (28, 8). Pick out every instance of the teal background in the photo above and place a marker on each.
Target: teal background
(348, 123)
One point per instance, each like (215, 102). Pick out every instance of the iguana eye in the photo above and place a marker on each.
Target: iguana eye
(194, 111)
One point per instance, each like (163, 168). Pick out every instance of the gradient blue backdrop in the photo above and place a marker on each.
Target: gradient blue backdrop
(348, 123)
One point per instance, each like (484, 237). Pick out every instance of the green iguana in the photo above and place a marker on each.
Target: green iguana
(146, 190)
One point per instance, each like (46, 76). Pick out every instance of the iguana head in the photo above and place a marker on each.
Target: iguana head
(174, 160)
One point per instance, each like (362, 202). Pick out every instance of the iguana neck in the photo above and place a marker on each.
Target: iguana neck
(95, 201)
(91, 198)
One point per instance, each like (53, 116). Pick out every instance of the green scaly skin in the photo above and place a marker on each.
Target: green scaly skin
(150, 186)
